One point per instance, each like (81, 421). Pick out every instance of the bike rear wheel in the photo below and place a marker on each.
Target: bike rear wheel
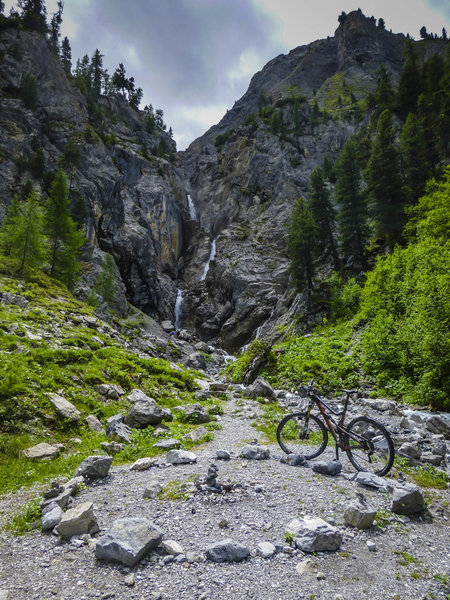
(369, 446)
(299, 434)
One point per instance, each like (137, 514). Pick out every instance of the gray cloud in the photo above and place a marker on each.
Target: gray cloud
(179, 51)
(442, 6)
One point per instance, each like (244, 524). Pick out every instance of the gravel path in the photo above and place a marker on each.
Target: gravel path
(268, 495)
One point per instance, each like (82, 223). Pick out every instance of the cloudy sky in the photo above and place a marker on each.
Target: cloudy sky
(195, 58)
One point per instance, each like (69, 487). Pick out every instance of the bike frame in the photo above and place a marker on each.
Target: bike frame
(336, 429)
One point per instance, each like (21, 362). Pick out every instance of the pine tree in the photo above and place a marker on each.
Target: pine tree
(24, 235)
(119, 80)
(68, 263)
(97, 73)
(64, 239)
(323, 213)
(66, 56)
(105, 284)
(70, 159)
(352, 213)
(55, 28)
(410, 85)
(34, 15)
(302, 244)
(9, 224)
(415, 166)
(383, 179)
(135, 98)
(384, 93)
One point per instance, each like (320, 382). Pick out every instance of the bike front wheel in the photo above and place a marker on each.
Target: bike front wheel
(299, 434)
(369, 446)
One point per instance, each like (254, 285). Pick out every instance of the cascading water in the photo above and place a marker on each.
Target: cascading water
(191, 206)
(177, 310)
(212, 255)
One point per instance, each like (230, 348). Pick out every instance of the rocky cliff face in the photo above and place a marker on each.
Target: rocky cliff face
(242, 176)
(136, 205)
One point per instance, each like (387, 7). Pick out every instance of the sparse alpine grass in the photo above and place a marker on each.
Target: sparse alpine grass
(46, 345)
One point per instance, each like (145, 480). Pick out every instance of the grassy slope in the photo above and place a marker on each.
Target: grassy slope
(48, 346)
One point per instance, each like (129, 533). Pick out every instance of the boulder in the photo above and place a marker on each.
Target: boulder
(128, 541)
(437, 424)
(64, 407)
(265, 550)
(196, 434)
(42, 450)
(152, 490)
(167, 444)
(117, 431)
(370, 480)
(196, 360)
(179, 457)
(359, 514)
(167, 326)
(195, 413)
(94, 424)
(51, 516)
(260, 388)
(227, 550)
(255, 452)
(407, 499)
(313, 534)
(78, 521)
(94, 467)
(410, 450)
(328, 467)
(431, 459)
(145, 411)
(111, 391)
(223, 455)
(142, 464)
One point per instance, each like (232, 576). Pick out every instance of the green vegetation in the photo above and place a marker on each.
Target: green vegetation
(402, 306)
(391, 330)
(222, 138)
(425, 476)
(46, 345)
(27, 519)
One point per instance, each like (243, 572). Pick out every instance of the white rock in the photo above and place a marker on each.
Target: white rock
(142, 464)
(179, 457)
(172, 547)
(265, 549)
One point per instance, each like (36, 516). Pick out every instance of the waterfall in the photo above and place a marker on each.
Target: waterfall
(191, 206)
(212, 255)
(178, 303)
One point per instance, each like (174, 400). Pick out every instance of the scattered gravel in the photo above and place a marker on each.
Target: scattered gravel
(399, 560)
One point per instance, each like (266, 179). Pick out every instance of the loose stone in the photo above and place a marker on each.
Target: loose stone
(128, 541)
(227, 551)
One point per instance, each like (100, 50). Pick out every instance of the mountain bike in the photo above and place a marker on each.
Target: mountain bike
(367, 442)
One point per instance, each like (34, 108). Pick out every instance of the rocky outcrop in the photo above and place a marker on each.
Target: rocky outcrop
(244, 177)
(135, 201)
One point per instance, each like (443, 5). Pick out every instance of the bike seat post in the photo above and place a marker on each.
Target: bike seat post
(344, 412)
